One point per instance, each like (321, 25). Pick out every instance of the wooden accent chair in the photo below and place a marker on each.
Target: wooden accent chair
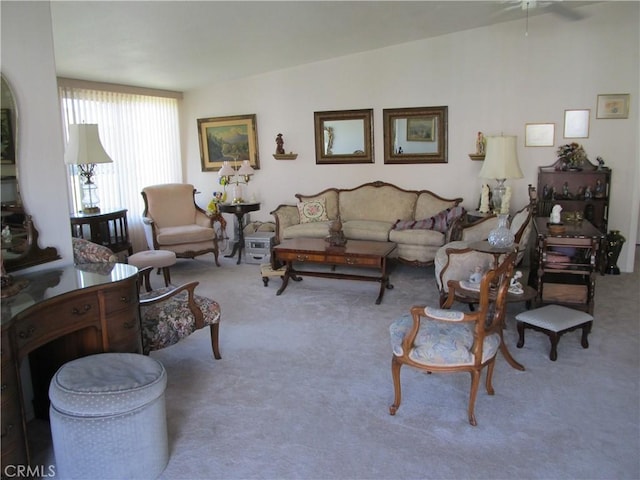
(444, 340)
(167, 314)
(173, 221)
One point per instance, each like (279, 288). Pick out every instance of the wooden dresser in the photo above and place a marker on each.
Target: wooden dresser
(62, 314)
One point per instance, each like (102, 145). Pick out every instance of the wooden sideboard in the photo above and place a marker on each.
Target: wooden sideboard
(62, 314)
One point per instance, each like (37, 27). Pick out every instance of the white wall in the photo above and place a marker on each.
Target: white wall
(29, 66)
(493, 80)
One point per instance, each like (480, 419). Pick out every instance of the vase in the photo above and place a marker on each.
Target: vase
(614, 246)
(501, 236)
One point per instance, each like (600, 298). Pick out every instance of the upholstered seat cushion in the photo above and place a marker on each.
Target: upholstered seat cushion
(184, 234)
(417, 237)
(167, 322)
(441, 343)
(373, 230)
(554, 318)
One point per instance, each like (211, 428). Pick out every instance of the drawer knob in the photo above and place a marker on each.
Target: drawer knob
(351, 261)
(26, 334)
(82, 311)
(124, 299)
(129, 325)
(302, 258)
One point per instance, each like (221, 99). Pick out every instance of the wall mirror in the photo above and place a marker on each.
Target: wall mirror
(344, 136)
(415, 135)
(19, 236)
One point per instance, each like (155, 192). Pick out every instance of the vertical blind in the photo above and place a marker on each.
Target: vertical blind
(141, 135)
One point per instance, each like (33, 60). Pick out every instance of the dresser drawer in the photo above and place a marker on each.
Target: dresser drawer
(357, 261)
(121, 298)
(123, 330)
(301, 257)
(34, 329)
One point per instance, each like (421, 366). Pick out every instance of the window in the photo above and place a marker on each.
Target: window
(139, 129)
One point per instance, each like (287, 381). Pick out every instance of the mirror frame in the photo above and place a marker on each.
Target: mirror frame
(439, 114)
(366, 115)
(33, 254)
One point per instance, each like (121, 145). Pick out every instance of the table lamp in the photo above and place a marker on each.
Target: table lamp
(85, 150)
(500, 163)
(228, 175)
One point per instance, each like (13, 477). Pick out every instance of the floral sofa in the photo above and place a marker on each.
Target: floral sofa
(418, 221)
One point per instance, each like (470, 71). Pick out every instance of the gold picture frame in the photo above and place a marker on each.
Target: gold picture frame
(344, 136)
(613, 105)
(233, 138)
(415, 135)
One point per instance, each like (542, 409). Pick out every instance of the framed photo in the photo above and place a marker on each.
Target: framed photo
(420, 129)
(7, 154)
(539, 134)
(231, 139)
(576, 123)
(613, 105)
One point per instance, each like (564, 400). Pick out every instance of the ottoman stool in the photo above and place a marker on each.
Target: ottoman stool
(267, 271)
(108, 417)
(160, 259)
(554, 320)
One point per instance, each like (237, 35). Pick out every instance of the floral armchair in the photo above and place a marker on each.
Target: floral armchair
(168, 314)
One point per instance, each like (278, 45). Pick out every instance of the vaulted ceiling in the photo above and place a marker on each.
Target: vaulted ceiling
(181, 45)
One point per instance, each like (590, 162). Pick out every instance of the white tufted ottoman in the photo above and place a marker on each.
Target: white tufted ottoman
(108, 417)
(554, 320)
(161, 259)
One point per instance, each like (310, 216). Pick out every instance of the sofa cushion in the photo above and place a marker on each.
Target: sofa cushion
(331, 199)
(308, 230)
(367, 230)
(313, 211)
(417, 237)
(383, 204)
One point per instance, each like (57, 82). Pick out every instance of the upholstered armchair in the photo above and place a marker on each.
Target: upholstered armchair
(167, 314)
(170, 314)
(85, 251)
(463, 264)
(173, 221)
(443, 340)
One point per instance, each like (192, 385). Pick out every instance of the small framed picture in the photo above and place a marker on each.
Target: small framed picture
(613, 105)
(576, 123)
(539, 134)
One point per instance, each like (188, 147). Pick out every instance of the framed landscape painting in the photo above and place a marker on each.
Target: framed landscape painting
(232, 139)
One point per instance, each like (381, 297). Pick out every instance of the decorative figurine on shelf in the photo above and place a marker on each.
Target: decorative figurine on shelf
(600, 163)
(476, 276)
(588, 193)
(580, 194)
(555, 218)
(566, 194)
(279, 145)
(506, 200)
(481, 144)
(336, 236)
(484, 199)
(515, 286)
(546, 192)
(599, 190)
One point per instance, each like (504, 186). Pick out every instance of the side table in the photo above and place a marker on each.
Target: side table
(239, 210)
(109, 229)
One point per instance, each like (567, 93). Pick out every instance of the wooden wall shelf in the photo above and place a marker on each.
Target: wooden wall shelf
(475, 156)
(285, 156)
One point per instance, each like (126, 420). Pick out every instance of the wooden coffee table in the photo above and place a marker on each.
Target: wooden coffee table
(356, 253)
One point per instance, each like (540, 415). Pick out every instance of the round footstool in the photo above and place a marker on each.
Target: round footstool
(161, 259)
(108, 417)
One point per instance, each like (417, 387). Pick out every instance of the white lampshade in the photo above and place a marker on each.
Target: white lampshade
(84, 146)
(501, 159)
(226, 170)
(246, 169)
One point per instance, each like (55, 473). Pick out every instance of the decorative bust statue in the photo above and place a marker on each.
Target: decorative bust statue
(555, 217)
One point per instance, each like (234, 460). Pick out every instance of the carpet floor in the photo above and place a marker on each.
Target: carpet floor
(303, 388)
